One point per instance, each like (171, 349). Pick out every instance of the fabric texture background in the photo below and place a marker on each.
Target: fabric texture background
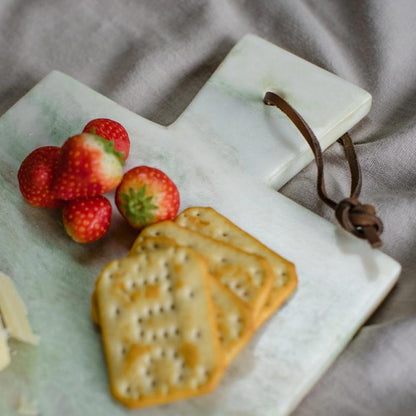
(153, 56)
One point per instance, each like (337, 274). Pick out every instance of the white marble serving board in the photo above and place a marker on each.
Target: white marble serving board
(229, 151)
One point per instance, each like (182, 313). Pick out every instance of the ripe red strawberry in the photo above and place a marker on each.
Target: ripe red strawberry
(147, 195)
(87, 219)
(88, 166)
(110, 130)
(35, 177)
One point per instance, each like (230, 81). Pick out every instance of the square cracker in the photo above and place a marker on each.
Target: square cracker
(158, 327)
(249, 276)
(209, 222)
(235, 322)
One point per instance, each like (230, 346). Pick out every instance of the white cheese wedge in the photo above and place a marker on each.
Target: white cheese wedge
(4, 348)
(13, 312)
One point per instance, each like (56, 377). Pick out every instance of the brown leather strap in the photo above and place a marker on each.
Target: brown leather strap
(358, 219)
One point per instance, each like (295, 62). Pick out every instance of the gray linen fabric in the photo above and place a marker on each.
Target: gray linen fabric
(153, 56)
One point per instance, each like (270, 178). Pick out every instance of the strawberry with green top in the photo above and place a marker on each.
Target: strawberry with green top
(88, 166)
(36, 174)
(110, 130)
(147, 195)
(87, 219)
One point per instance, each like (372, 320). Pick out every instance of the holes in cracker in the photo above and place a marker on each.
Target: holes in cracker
(146, 312)
(197, 334)
(144, 259)
(115, 266)
(182, 257)
(246, 294)
(176, 332)
(128, 389)
(158, 352)
(258, 275)
(161, 333)
(147, 360)
(151, 384)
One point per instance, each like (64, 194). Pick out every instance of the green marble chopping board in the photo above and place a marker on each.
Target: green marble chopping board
(228, 151)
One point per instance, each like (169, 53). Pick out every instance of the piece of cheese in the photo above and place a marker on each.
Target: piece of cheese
(13, 312)
(4, 348)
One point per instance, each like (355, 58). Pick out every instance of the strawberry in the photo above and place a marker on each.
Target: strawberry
(147, 195)
(110, 130)
(35, 177)
(87, 219)
(88, 166)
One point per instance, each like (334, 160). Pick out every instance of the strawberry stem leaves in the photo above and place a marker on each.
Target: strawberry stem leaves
(137, 206)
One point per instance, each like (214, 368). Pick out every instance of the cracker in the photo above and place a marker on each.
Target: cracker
(209, 222)
(235, 322)
(247, 275)
(158, 327)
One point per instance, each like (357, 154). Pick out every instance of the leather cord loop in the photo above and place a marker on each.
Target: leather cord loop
(359, 219)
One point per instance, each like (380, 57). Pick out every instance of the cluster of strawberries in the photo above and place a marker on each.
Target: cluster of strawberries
(74, 177)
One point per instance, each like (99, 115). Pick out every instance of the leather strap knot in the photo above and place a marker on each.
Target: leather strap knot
(358, 219)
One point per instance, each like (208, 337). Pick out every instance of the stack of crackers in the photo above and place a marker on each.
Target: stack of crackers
(180, 306)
